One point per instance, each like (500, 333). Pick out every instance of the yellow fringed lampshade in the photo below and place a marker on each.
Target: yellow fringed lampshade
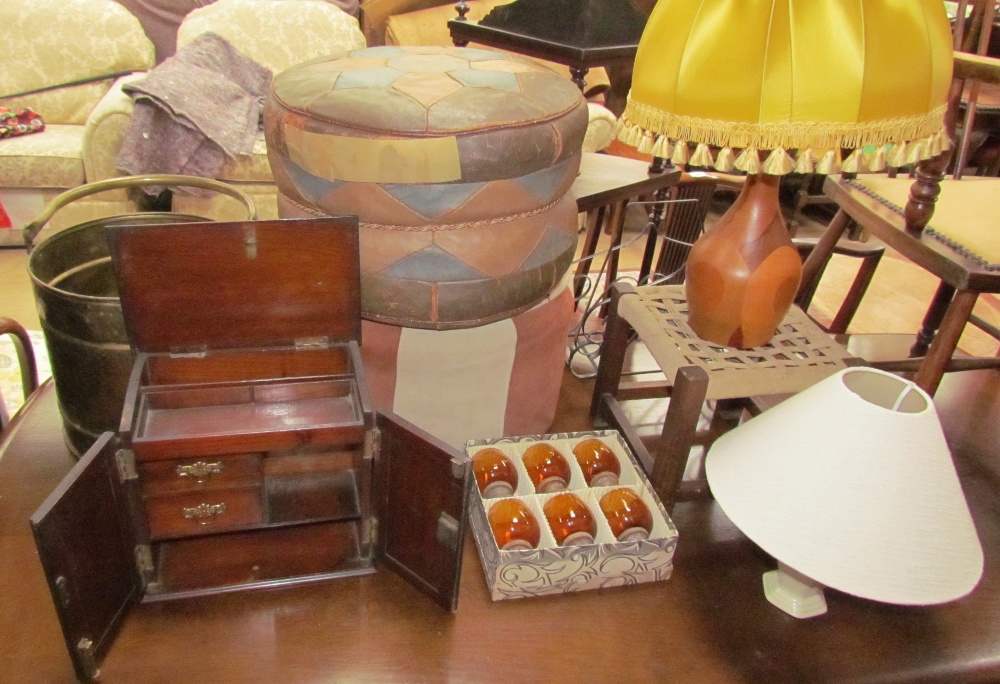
(802, 77)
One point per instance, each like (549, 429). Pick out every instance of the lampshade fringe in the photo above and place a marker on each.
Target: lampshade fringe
(853, 162)
(662, 147)
(702, 156)
(896, 157)
(778, 163)
(876, 161)
(645, 145)
(725, 160)
(680, 154)
(872, 145)
(804, 162)
(748, 160)
(829, 163)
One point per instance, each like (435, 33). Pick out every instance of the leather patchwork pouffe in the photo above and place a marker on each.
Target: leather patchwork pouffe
(458, 163)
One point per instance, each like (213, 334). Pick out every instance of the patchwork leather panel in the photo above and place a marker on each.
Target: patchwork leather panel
(457, 162)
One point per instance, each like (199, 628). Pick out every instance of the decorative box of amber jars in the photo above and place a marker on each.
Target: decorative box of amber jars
(565, 512)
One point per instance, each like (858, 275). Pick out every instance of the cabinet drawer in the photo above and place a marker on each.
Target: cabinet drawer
(197, 474)
(194, 513)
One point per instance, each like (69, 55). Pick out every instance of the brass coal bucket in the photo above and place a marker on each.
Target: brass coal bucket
(78, 305)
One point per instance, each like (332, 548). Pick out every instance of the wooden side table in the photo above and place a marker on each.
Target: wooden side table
(578, 33)
(603, 190)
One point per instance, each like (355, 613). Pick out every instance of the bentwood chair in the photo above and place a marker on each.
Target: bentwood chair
(669, 241)
(25, 361)
(955, 237)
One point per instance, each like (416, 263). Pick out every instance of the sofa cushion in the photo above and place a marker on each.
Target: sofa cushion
(55, 42)
(275, 33)
(53, 159)
(252, 167)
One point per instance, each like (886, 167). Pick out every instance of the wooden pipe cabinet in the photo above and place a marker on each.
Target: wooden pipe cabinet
(249, 454)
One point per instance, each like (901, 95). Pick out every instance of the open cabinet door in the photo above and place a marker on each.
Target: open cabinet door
(420, 495)
(86, 543)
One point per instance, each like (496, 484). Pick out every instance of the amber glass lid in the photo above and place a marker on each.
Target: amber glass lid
(196, 286)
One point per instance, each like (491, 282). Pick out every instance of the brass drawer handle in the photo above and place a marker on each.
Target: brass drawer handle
(204, 513)
(200, 470)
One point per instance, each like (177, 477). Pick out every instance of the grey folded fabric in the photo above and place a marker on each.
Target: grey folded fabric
(195, 110)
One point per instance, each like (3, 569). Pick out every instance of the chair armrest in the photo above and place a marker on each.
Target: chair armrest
(601, 124)
(851, 248)
(870, 253)
(104, 130)
(25, 354)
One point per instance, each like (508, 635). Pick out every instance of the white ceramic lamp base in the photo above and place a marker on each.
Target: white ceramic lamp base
(793, 592)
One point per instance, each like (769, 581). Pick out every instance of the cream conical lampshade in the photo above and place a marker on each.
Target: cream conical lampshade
(850, 483)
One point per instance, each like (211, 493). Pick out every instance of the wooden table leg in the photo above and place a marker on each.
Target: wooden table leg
(617, 332)
(812, 269)
(595, 222)
(946, 341)
(687, 396)
(616, 223)
(933, 318)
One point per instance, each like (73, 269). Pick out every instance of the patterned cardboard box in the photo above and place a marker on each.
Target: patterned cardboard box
(551, 569)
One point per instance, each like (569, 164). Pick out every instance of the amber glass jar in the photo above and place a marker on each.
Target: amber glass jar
(628, 517)
(570, 520)
(514, 526)
(495, 473)
(547, 469)
(599, 464)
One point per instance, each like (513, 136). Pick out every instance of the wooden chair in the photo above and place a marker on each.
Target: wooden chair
(668, 241)
(944, 225)
(25, 360)
(710, 387)
(696, 375)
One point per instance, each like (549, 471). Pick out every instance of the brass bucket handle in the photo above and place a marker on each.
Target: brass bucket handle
(32, 230)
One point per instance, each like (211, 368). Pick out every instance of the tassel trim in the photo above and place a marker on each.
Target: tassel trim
(873, 145)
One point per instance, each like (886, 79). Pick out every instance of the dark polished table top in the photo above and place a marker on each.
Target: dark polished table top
(708, 623)
(605, 179)
(581, 34)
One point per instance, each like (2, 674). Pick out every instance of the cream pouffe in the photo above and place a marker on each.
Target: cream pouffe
(458, 163)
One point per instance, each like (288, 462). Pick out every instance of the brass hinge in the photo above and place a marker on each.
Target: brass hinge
(250, 240)
(373, 442)
(62, 591)
(125, 460)
(144, 559)
(88, 659)
(194, 352)
(317, 342)
(447, 531)
(372, 532)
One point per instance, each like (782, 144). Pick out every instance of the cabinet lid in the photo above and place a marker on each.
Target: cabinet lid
(420, 495)
(190, 287)
(87, 547)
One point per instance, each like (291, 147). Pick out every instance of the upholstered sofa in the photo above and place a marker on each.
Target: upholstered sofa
(161, 18)
(66, 60)
(273, 34)
(268, 33)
